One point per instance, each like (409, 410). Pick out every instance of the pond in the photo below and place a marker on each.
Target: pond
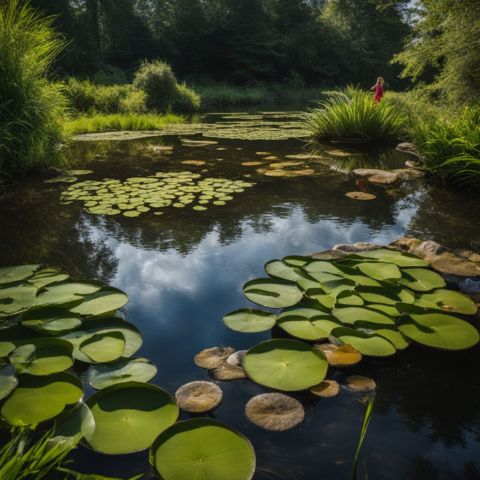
(183, 269)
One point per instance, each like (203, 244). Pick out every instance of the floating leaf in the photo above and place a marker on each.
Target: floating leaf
(352, 315)
(248, 320)
(280, 269)
(12, 336)
(387, 294)
(16, 299)
(367, 344)
(121, 371)
(326, 389)
(272, 293)
(340, 356)
(17, 273)
(448, 301)
(380, 271)
(307, 323)
(103, 347)
(42, 356)
(202, 449)
(78, 424)
(287, 365)
(37, 399)
(51, 320)
(421, 279)
(199, 397)
(46, 276)
(275, 411)
(439, 330)
(8, 381)
(66, 292)
(101, 302)
(400, 259)
(212, 357)
(129, 416)
(390, 332)
(361, 384)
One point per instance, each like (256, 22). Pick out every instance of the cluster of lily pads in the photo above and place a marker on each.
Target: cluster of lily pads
(138, 195)
(52, 327)
(374, 303)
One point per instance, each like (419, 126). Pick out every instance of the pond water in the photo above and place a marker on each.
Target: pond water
(184, 269)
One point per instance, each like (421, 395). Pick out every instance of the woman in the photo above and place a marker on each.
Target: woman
(378, 89)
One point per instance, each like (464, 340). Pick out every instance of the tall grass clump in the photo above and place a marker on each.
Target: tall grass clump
(163, 92)
(352, 115)
(30, 106)
(450, 146)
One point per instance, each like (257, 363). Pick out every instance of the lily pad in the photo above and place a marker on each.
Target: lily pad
(103, 347)
(280, 269)
(248, 320)
(16, 299)
(129, 416)
(46, 276)
(340, 356)
(421, 279)
(202, 449)
(307, 323)
(199, 397)
(361, 384)
(367, 344)
(326, 389)
(352, 315)
(387, 295)
(380, 271)
(12, 336)
(212, 357)
(448, 301)
(273, 293)
(287, 365)
(8, 381)
(51, 320)
(400, 259)
(121, 371)
(101, 302)
(37, 399)
(17, 273)
(439, 330)
(42, 356)
(66, 292)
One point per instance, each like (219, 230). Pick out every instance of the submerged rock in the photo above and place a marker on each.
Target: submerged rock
(356, 247)
(387, 177)
(408, 147)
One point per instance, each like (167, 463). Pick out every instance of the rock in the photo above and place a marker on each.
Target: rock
(408, 147)
(448, 262)
(468, 254)
(361, 196)
(387, 177)
(328, 255)
(404, 244)
(356, 247)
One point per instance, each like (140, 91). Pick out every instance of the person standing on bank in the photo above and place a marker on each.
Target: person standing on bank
(378, 89)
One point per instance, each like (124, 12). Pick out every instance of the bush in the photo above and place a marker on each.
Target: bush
(110, 75)
(450, 145)
(30, 107)
(186, 100)
(87, 97)
(351, 114)
(157, 80)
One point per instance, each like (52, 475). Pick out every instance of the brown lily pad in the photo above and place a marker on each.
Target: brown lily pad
(251, 164)
(199, 397)
(326, 389)
(361, 196)
(212, 357)
(197, 163)
(361, 384)
(226, 372)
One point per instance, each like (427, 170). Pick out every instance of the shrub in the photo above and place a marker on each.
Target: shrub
(351, 114)
(87, 97)
(30, 107)
(157, 80)
(186, 100)
(110, 75)
(450, 145)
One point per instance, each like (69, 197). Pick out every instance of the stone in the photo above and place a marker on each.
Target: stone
(356, 247)
(387, 177)
(408, 147)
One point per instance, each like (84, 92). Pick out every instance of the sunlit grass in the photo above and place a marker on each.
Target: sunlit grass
(104, 123)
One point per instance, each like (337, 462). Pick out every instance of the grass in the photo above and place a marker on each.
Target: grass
(103, 123)
(352, 115)
(363, 434)
(226, 95)
(30, 106)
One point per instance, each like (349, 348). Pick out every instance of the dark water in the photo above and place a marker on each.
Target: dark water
(184, 270)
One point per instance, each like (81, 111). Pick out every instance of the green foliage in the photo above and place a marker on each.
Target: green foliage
(186, 100)
(351, 114)
(103, 123)
(443, 46)
(450, 146)
(87, 97)
(29, 106)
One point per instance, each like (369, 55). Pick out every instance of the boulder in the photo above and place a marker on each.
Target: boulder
(356, 247)
(408, 147)
(387, 177)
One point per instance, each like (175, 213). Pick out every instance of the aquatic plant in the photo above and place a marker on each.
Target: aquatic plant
(351, 114)
(30, 106)
(138, 195)
(370, 303)
(51, 323)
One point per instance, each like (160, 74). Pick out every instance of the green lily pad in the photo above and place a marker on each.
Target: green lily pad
(78, 424)
(37, 399)
(101, 302)
(390, 310)
(380, 271)
(307, 323)
(389, 332)
(323, 266)
(202, 449)
(296, 261)
(103, 347)
(51, 320)
(17, 273)
(12, 336)
(287, 365)
(400, 259)
(8, 381)
(448, 301)
(324, 299)
(439, 330)
(272, 293)
(42, 356)
(98, 326)
(129, 416)
(279, 269)
(249, 320)
(16, 299)
(352, 315)
(66, 292)
(367, 344)
(387, 294)
(421, 279)
(121, 371)
(46, 276)
(348, 297)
